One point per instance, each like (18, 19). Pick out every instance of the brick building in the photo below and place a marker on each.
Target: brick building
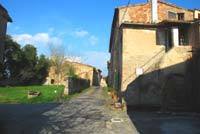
(4, 18)
(150, 45)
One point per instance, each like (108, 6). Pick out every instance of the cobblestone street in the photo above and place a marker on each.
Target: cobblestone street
(85, 114)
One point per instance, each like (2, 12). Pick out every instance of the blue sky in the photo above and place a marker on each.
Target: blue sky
(81, 26)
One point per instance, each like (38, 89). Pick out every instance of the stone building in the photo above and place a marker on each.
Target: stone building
(150, 46)
(80, 70)
(4, 18)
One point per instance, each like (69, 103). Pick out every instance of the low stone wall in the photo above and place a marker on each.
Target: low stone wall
(75, 85)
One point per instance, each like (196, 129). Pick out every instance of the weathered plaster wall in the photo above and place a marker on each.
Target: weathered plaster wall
(139, 46)
(194, 35)
(84, 71)
(140, 51)
(115, 60)
(81, 70)
(196, 14)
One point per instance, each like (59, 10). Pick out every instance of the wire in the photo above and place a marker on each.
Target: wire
(129, 1)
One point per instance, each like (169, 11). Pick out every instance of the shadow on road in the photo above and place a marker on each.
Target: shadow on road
(23, 118)
(152, 122)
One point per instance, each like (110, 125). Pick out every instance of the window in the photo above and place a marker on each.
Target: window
(181, 16)
(199, 16)
(171, 15)
(52, 81)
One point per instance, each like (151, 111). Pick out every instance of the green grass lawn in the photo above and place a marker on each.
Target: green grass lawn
(15, 95)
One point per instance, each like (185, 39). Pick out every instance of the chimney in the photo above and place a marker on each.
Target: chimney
(154, 11)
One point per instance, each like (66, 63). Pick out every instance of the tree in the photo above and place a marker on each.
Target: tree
(12, 58)
(57, 60)
(27, 73)
(42, 68)
(22, 65)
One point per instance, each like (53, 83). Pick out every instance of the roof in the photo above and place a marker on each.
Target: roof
(78, 63)
(163, 23)
(132, 5)
(131, 24)
(160, 1)
(197, 9)
(5, 14)
(176, 22)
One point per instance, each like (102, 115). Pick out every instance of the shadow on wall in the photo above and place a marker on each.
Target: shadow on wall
(170, 88)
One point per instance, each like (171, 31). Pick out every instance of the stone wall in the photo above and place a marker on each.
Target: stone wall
(75, 85)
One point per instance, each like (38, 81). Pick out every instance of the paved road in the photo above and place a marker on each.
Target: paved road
(87, 114)
(166, 123)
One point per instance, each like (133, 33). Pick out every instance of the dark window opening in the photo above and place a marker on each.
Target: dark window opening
(52, 81)
(171, 15)
(183, 37)
(181, 16)
(169, 41)
(199, 16)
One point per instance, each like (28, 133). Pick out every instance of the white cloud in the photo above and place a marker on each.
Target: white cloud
(8, 24)
(93, 40)
(41, 37)
(37, 39)
(51, 30)
(17, 28)
(97, 59)
(81, 33)
(74, 59)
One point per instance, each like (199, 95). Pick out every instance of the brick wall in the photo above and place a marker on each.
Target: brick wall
(142, 13)
(164, 8)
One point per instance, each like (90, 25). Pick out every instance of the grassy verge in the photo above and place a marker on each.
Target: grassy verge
(13, 95)
(49, 94)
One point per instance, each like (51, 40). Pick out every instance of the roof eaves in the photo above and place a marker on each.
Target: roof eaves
(113, 27)
(128, 24)
(160, 1)
(170, 4)
(132, 5)
(9, 19)
(176, 21)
